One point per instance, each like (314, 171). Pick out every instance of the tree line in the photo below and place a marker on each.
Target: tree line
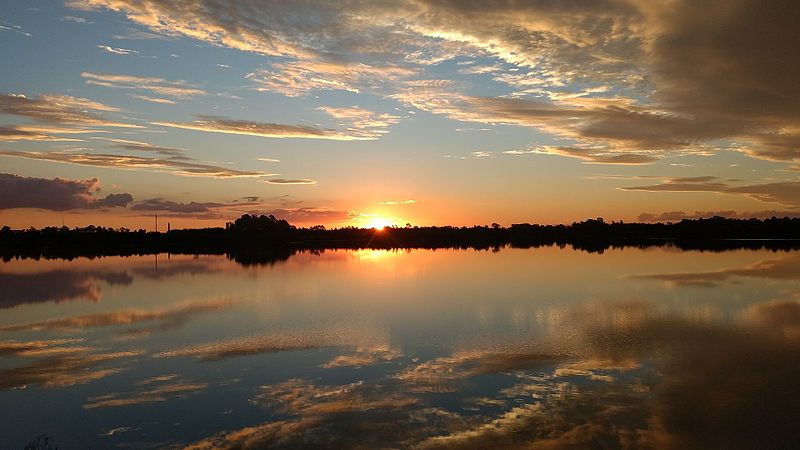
(268, 235)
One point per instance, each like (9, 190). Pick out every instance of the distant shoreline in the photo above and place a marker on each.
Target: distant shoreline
(265, 238)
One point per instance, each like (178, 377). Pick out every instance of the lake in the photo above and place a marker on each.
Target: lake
(537, 348)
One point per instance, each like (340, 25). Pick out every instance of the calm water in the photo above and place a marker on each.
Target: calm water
(544, 348)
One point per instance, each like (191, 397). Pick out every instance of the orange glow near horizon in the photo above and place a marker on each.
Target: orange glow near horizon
(378, 223)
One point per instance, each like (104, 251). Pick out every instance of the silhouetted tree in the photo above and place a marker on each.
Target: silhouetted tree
(41, 442)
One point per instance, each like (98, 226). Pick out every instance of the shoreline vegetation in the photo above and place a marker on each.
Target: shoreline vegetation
(254, 239)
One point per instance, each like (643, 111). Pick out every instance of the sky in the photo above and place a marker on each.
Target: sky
(428, 112)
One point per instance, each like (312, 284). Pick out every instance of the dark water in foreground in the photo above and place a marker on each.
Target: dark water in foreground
(541, 348)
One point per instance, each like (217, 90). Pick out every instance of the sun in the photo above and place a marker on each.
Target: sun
(379, 223)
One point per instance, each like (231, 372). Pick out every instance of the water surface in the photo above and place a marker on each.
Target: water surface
(536, 348)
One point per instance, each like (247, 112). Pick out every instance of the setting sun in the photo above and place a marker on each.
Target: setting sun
(379, 223)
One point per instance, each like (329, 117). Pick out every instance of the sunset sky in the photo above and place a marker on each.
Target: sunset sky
(423, 112)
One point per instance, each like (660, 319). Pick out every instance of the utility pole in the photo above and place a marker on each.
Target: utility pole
(156, 223)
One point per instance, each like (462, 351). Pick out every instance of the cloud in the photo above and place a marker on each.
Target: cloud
(675, 216)
(169, 152)
(617, 77)
(117, 50)
(213, 124)
(298, 78)
(158, 204)
(61, 109)
(176, 89)
(289, 181)
(596, 156)
(362, 122)
(57, 194)
(128, 162)
(398, 202)
(15, 29)
(146, 98)
(604, 134)
(19, 133)
(783, 192)
(75, 19)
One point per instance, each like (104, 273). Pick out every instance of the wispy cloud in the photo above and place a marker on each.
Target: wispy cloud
(170, 152)
(161, 86)
(362, 122)
(75, 19)
(15, 29)
(118, 50)
(21, 133)
(164, 101)
(272, 130)
(398, 202)
(290, 181)
(129, 162)
(62, 109)
(301, 77)
(159, 204)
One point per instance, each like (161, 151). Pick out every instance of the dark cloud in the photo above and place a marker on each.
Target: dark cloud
(158, 204)
(56, 195)
(784, 192)
(675, 216)
(731, 60)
